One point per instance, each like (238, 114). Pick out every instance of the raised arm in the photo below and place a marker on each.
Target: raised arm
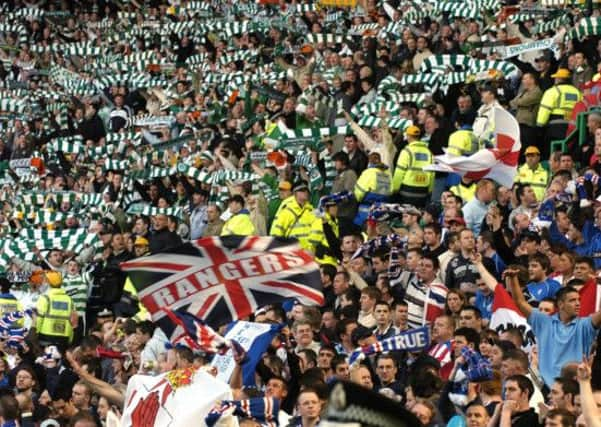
(511, 277)
(489, 279)
(587, 400)
(596, 319)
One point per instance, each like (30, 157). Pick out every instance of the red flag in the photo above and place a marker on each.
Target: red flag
(505, 314)
(590, 298)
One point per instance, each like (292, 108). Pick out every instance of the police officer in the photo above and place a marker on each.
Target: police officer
(556, 108)
(239, 224)
(296, 219)
(328, 250)
(413, 183)
(533, 174)
(466, 189)
(56, 315)
(374, 185)
(463, 142)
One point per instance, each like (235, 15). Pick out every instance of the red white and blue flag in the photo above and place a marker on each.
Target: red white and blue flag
(499, 163)
(221, 279)
(199, 335)
(443, 352)
(262, 409)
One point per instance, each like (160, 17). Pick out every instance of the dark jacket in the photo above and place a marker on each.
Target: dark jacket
(358, 162)
(164, 239)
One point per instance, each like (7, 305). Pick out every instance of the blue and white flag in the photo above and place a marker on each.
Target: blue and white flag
(13, 335)
(254, 338)
(412, 340)
(262, 409)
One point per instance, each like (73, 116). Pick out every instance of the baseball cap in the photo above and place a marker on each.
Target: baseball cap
(141, 241)
(413, 131)
(105, 313)
(300, 186)
(561, 73)
(532, 150)
(458, 220)
(360, 332)
(54, 278)
(285, 185)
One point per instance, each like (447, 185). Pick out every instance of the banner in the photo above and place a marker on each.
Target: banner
(413, 340)
(179, 398)
(515, 50)
(222, 279)
(254, 339)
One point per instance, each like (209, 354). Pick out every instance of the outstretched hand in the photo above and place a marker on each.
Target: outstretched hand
(583, 372)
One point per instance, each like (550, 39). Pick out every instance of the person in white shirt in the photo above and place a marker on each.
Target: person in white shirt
(303, 335)
(367, 301)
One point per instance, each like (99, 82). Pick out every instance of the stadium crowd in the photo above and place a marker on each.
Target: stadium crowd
(130, 127)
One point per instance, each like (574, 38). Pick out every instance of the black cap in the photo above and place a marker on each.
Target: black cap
(300, 186)
(360, 332)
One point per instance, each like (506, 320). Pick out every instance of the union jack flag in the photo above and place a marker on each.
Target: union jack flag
(443, 352)
(8, 331)
(221, 279)
(262, 409)
(201, 336)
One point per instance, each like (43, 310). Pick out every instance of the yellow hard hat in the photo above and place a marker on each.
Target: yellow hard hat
(562, 73)
(141, 241)
(54, 278)
(413, 131)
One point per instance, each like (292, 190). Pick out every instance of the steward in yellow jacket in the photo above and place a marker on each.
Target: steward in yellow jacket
(555, 110)
(413, 183)
(296, 219)
(463, 142)
(239, 223)
(533, 173)
(466, 189)
(328, 250)
(373, 186)
(56, 314)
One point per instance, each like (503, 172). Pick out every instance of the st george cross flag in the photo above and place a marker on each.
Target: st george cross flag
(498, 163)
(590, 298)
(412, 340)
(157, 402)
(254, 338)
(505, 314)
(221, 279)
